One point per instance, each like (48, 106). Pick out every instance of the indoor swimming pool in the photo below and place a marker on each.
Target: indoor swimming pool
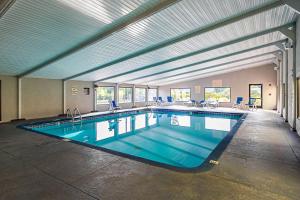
(172, 139)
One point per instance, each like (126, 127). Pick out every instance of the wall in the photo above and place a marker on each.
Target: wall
(298, 67)
(84, 102)
(41, 98)
(238, 81)
(9, 98)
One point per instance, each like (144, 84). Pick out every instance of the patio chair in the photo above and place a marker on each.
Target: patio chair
(155, 100)
(170, 100)
(193, 102)
(238, 103)
(160, 101)
(114, 106)
(213, 103)
(203, 103)
(252, 104)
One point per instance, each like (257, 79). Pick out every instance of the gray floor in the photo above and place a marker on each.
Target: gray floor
(261, 162)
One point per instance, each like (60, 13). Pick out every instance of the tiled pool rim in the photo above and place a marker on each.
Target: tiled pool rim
(206, 165)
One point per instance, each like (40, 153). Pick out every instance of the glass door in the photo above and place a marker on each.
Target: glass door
(255, 92)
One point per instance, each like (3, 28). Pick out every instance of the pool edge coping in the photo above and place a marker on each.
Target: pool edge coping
(205, 166)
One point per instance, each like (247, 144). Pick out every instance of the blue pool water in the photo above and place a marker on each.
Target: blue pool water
(176, 139)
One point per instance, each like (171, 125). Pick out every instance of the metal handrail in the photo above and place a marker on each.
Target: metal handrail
(69, 113)
(76, 110)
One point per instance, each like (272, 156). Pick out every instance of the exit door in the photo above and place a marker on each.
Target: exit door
(255, 92)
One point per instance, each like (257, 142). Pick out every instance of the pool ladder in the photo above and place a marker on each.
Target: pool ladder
(75, 116)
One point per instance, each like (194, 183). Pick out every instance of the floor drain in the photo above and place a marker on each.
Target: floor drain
(214, 162)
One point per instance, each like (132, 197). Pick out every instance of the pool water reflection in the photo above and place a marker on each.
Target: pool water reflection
(178, 139)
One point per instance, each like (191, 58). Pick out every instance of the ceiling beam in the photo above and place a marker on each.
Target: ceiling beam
(201, 51)
(212, 59)
(5, 5)
(185, 36)
(289, 32)
(221, 71)
(143, 11)
(295, 4)
(215, 66)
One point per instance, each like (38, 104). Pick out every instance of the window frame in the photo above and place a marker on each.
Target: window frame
(218, 87)
(181, 89)
(155, 93)
(136, 93)
(132, 94)
(114, 90)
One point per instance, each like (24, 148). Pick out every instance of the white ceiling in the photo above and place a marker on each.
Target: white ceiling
(32, 32)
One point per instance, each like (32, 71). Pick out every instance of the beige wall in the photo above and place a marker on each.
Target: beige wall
(238, 81)
(298, 68)
(8, 97)
(41, 98)
(44, 97)
(82, 101)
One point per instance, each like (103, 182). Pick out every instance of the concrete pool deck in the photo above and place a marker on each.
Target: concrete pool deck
(261, 162)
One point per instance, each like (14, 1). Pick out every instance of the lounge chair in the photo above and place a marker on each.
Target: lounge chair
(160, 101)
(114, 106)
(252, 104)
(202, 103)
(193, 102)
(213, 103)
(170, 100)
(155, 101)
(190, 103)
(238, 103)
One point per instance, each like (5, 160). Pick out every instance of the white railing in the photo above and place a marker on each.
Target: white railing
(74, 115)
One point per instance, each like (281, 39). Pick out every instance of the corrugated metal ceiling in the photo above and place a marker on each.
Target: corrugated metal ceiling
(34, 31)
(273, 18)
(201, 57)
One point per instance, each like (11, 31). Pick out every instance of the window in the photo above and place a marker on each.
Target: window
(152, 93)
(125, 95)
(220, 94)
(86, 91)
(140, 95)
(104, 94)
(181, 94)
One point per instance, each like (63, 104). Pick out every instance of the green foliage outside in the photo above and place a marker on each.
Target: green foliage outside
(221, 95)
(181, 94)
(104, 94)
(125, 95)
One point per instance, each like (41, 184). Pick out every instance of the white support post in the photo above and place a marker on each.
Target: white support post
(19, 98)
(147, 94)
(281, 84)
(278, 87)
(133, 96)
(286, 86)
(64, 97)
(117, 93)
(295, 86)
